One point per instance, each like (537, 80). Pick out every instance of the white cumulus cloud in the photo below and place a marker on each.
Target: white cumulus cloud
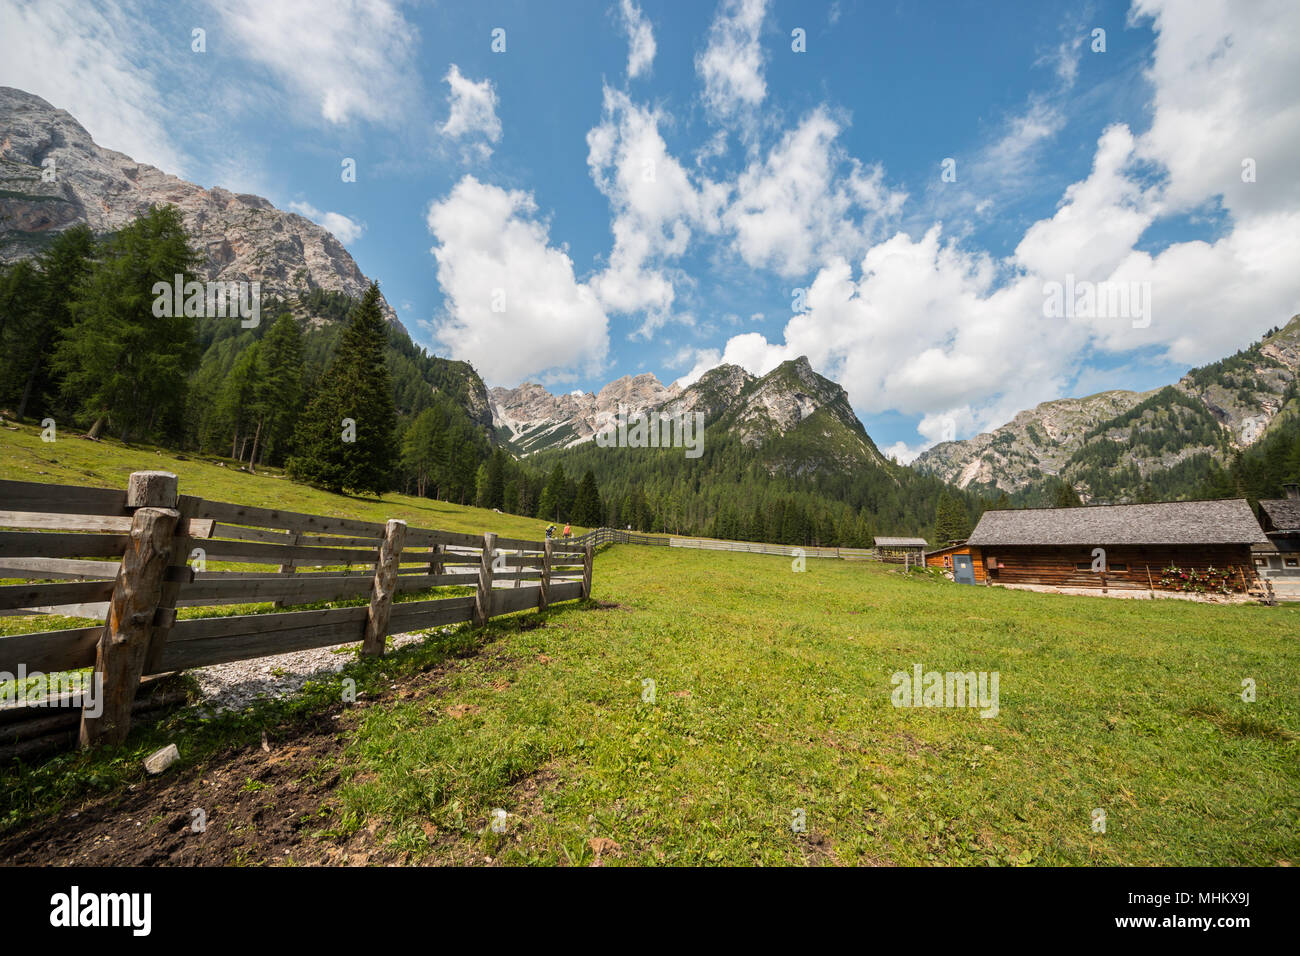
(338, 62)
(731, 65)
(345, 229)
(807, 201)
(640, 39)
(472, 111)
(656, 205)
(513, 306)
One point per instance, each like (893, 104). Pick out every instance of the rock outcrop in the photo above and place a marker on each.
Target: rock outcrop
(53, 175)
(1207, 414)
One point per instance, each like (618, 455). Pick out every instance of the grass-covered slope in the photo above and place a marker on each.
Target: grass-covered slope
(772, 694)
(107, 463)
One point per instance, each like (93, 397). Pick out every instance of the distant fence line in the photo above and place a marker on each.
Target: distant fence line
(152, 538)
(603, 536)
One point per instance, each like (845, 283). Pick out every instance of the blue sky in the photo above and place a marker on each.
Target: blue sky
(641, 186)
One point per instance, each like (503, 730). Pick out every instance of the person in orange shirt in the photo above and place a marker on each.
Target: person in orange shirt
(568, 532)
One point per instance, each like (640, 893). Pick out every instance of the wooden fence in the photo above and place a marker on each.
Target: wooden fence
(602, 536)
(133, 557)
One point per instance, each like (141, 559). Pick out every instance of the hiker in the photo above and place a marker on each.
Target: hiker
(550, 532)
(568, 532)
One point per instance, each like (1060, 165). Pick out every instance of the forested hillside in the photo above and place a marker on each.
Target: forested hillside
(80, 344)
(783, 459)
(1129, 446)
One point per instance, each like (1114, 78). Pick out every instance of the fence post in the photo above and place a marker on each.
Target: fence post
(288, 566)
(587, 559)
(124, 642)
(381, 592)
(545, 600)
(435, 559)
(483, 599)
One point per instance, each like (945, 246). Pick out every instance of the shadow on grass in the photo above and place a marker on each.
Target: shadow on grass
(34, 791)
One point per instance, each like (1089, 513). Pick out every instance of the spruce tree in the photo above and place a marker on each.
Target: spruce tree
(278, 396)
(344, 439)
(1066, 496)
(951, 522)
(549, 506)
(587, 509)
(232, 415)
(121, 365)
(34, 311)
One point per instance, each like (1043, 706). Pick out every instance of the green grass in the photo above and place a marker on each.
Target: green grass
(773, 694)
(74, 460)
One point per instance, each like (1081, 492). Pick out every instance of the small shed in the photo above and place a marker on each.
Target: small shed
(961, 560)
(1194, 546)
(901, 550)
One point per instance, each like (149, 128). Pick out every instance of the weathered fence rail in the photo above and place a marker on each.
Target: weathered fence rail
(153, 546)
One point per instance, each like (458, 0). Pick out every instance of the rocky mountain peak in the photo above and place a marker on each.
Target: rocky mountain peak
(786, 396)
(1107, 445)
(240, 237)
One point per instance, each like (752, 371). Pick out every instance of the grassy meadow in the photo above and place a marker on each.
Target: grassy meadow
(771, 696)
(72, 460)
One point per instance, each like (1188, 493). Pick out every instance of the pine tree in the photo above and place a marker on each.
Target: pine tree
(20, 314)
(232, 415)
(279, 390)
(496, 480)
(121, 365)
(420, 449)
(549, 507)
(356, 388)
(34, 310)
(1066, 496)
(587, 508)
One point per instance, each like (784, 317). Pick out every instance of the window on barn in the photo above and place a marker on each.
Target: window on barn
(1261, 562)
(1292, 562)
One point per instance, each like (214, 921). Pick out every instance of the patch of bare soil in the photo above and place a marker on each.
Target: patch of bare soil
(246, 805)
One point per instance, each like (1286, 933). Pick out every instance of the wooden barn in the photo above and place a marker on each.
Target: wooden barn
(1183, 546)
(901, 550)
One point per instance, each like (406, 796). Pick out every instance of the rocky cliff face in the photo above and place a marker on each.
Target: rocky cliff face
(530, 418)
(1036, 442)
(713, 392)
(240, 236)
(1112, 443)
(784, 397)
(791, 399)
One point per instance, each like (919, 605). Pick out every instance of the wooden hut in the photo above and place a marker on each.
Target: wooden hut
(1279, 559)
(1190, 546)
(963, 562)
(901, 550)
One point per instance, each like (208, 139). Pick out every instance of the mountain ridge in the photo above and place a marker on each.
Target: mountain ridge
(1117, 443)
(239, 236)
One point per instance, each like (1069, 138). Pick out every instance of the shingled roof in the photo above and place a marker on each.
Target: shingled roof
(1281, 514)
(900, 542)
(1171, 522)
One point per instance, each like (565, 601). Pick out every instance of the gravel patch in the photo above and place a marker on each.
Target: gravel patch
(240, 684)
